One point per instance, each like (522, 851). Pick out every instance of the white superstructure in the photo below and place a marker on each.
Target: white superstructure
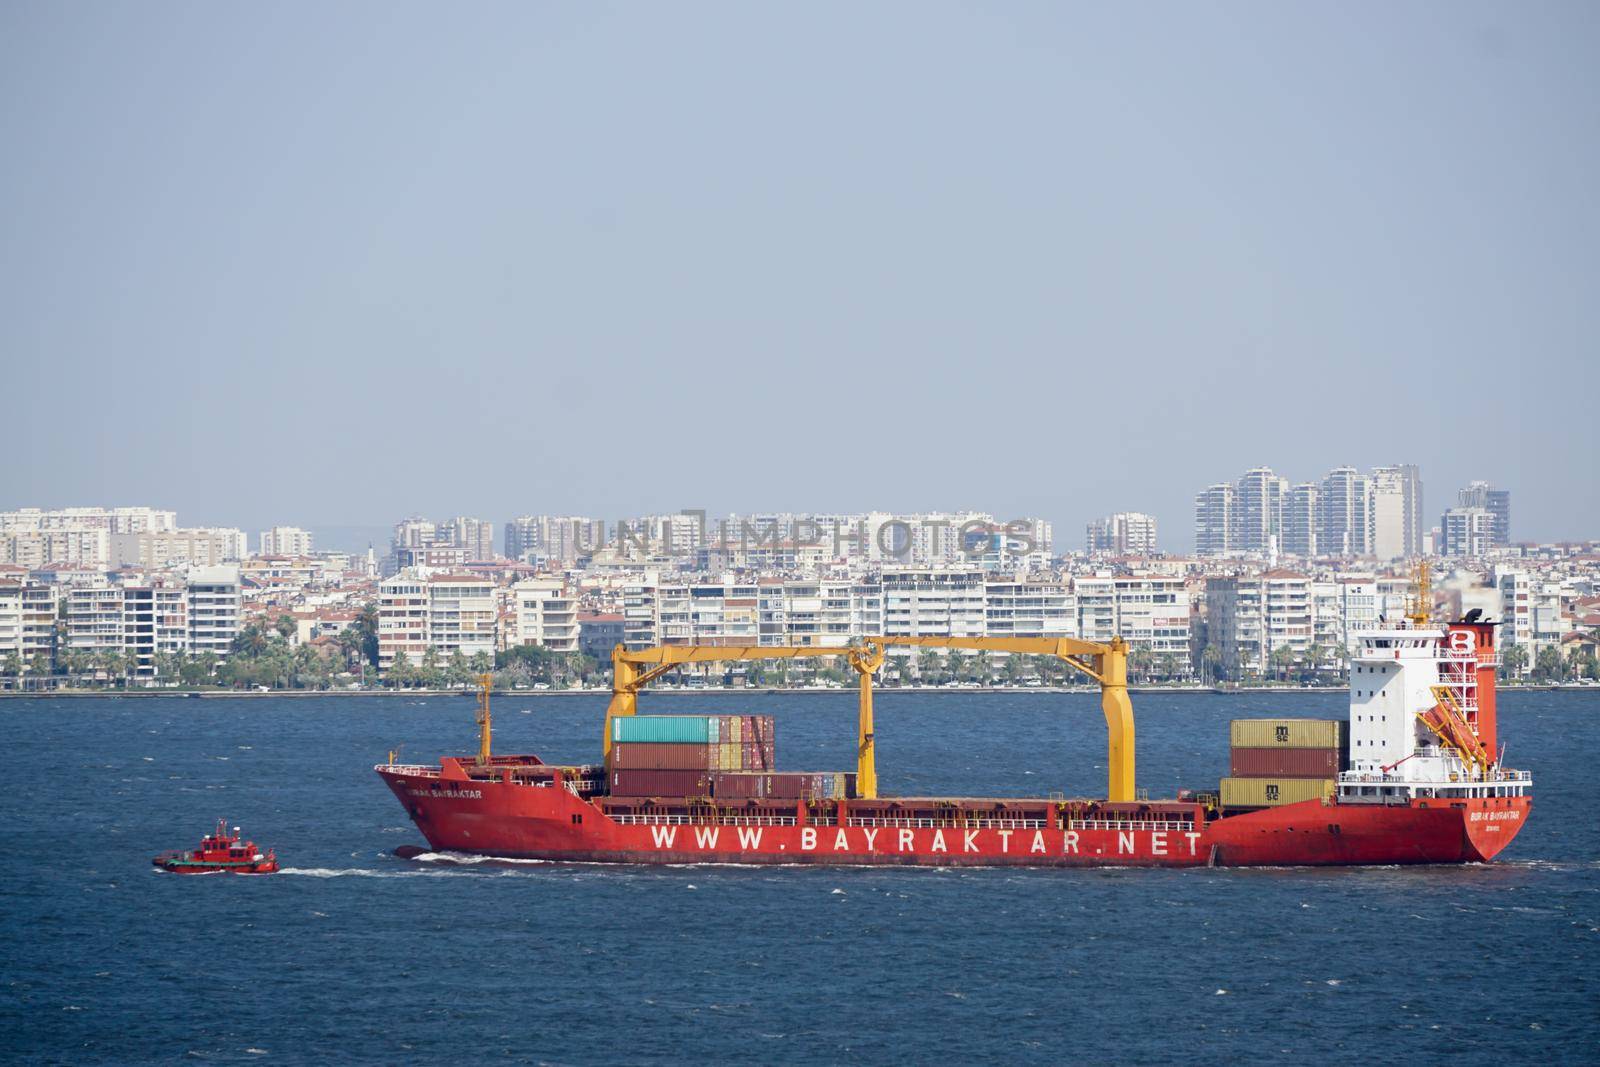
(1415, 718)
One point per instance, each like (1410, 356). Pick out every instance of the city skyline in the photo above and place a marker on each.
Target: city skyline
(1381, 515)
(1121, 254)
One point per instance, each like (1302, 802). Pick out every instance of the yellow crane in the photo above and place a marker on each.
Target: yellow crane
(633, 669)
(1105, 663)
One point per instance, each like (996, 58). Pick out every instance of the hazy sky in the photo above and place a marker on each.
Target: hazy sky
(333, 264)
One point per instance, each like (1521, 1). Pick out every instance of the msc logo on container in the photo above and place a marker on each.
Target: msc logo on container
(1281, 733)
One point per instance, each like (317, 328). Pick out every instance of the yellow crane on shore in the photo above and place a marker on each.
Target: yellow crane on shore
(1107, 664)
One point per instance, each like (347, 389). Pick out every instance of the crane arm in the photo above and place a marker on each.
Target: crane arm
(1105, 663)
(633, 669)
(676, 655)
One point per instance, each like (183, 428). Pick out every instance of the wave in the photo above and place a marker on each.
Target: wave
(354, 872)
(470, 859)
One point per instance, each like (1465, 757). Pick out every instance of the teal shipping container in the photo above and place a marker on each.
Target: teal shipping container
(666, 729)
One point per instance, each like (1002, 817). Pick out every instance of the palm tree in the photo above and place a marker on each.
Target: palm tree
(252, 641)
(116, 666)
(431, 675)
(73, 662)
(167, 665)
(1139, 658)
(349, 642)
(306, 665)
(399, 671)
(1515, 658)
(1282, 659)
(366, 625)
(458, 672)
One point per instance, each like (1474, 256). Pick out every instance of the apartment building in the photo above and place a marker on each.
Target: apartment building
(111, 520)
(1497, 502)
(35, 548)
(1300, 517)
(94, 618)
(1260, 510)
(1019, 608)
(557, 539)
(201, 547)
(155, 622)
(1097, 606)
(543, 613)
(475, 536)
(773, 611)
(142, 617)
(1467, 531)
(27, 620)
(1531, 614)
(599, 632)
(1251, 617)
(933, 601)
(1153, 614)
(285, 541)
(1216, 520)
(1396, 515)
(1125, 533)
(35, 537)
(437, 555)
(420, 609)
(1344, 507)
(215, 599)
(1151, 611)
(641, 619)
(827, 613)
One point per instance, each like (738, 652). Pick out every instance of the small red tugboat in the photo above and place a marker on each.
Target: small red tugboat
(220, 853)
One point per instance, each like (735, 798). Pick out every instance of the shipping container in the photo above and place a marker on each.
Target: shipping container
(657, 755)
(644, 782)
(1287, 733)
(1269, 792)
(662, 756)
(1284, 762)
(786, 785)
(693, 729)
(666, 729)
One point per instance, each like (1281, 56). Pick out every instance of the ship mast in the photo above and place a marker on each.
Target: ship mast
(1423, 602)
(485, 730)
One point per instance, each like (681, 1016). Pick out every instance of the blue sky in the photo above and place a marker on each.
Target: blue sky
(333, 264)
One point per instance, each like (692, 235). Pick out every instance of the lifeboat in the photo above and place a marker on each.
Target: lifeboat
(220, 853)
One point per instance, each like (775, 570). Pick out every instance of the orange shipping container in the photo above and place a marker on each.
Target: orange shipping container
(1283, 762)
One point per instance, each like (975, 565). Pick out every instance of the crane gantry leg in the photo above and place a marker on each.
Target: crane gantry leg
(1118, 710)
(865, 661)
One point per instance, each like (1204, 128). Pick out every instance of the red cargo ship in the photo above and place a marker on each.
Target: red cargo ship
(1415, 778)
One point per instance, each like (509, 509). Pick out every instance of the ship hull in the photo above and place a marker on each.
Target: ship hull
(518, 821)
